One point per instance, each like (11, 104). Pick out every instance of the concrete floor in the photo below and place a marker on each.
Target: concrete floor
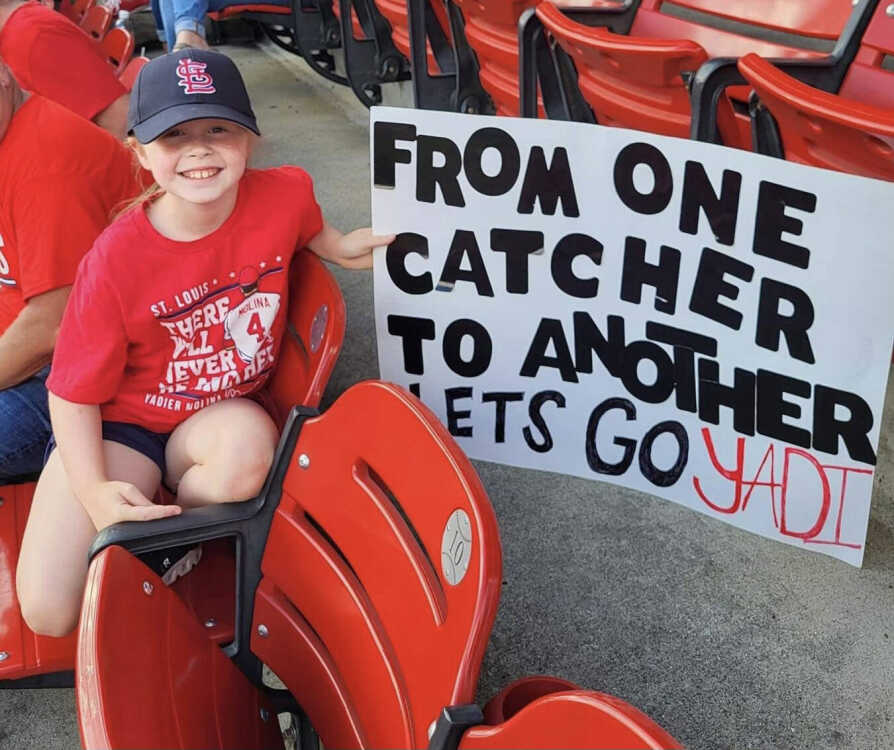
(726, 639)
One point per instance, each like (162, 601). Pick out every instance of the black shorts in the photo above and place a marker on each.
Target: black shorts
(150, 444)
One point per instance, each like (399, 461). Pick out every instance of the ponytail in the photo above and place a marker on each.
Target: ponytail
(149, 194)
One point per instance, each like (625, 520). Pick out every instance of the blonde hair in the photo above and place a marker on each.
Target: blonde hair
(151, 193)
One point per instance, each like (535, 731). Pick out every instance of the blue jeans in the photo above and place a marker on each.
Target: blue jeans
(24, 427)
(189, 15)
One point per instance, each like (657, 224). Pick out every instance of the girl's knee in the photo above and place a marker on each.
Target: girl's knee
(48, 616)
(243, 473)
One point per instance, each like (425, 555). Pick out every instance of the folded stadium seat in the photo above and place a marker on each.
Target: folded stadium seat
(117, 47)
(638, 78)
(316, 323)
(97, 21)
(491, 27)
(855, 68)
(128, 76)
(75, 9)
(821, 129)
(371, 57)
(26, 659)
(369, 576)
(444, 70)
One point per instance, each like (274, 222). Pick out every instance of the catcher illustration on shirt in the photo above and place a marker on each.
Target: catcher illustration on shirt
(248, 325)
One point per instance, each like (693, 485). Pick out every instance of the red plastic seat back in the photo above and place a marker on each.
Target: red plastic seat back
(148, 676)
(563, 717)
(117, 48)
(822, 19)
(381, 572)
(234, 10)
(313, 339)
(96, 21)
(395, 12)
(822, 129)
(628, 81)
(639, 80)
(25, 654)
(128, 76)
(870, 80)
(75, 9)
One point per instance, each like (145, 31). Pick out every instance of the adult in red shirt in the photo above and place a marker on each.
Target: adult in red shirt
(52, 57)
(61, 178)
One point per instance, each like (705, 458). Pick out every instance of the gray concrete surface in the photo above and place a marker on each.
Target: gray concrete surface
(726, 639)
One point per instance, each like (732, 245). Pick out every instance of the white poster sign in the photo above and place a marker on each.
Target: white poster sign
(703, 324)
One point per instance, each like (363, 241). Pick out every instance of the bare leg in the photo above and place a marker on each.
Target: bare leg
(221, 454)
(52, 566)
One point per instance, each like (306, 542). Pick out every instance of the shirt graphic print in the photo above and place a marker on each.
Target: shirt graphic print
(222, 337)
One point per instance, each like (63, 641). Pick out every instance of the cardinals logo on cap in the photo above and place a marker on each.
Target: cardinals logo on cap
(193, 77)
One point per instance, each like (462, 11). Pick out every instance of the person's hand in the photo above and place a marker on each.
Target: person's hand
(113, 502)
(355, 248)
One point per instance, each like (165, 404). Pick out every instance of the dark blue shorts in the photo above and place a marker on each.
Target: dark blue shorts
(150, 444)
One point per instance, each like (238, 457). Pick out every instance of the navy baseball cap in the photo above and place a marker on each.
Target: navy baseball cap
(189, 84)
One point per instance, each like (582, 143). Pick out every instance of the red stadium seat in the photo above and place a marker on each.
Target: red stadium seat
(822, 129)
(377, 580)
(857, 71)
(236, 10)
(128, 76)
(117, 48)
(188, 692)
(639, 78)
(444, 70)
(97, 21)
(75, 9)
(25, 654)
(308, 355)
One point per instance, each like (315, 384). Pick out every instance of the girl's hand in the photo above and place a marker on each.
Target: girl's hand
(355, 248)
(113, 502)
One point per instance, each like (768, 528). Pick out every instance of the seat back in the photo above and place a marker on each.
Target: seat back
(870, 79)
(823, 129)
(492, 31)
(148, 676)
(25, 654)
(568, 718)
(313, 339)
(128, 76)
(822, 19)
(640, 79)
(75, 9)
(381, 572)
(97, 21)
(395, 12)
(117, 47)
(628, 81)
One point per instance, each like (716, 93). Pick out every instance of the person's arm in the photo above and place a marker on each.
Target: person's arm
(114, 117)
(27, 345)
(351, 250)
(78, 432)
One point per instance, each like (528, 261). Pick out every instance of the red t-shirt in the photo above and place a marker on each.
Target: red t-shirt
(156, 329)
(60, 182)
(52, 57)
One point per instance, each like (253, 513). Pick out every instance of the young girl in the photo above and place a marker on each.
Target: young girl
(175, 318)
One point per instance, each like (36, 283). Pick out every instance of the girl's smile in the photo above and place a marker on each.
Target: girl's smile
(198, 165)
(199, 161)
